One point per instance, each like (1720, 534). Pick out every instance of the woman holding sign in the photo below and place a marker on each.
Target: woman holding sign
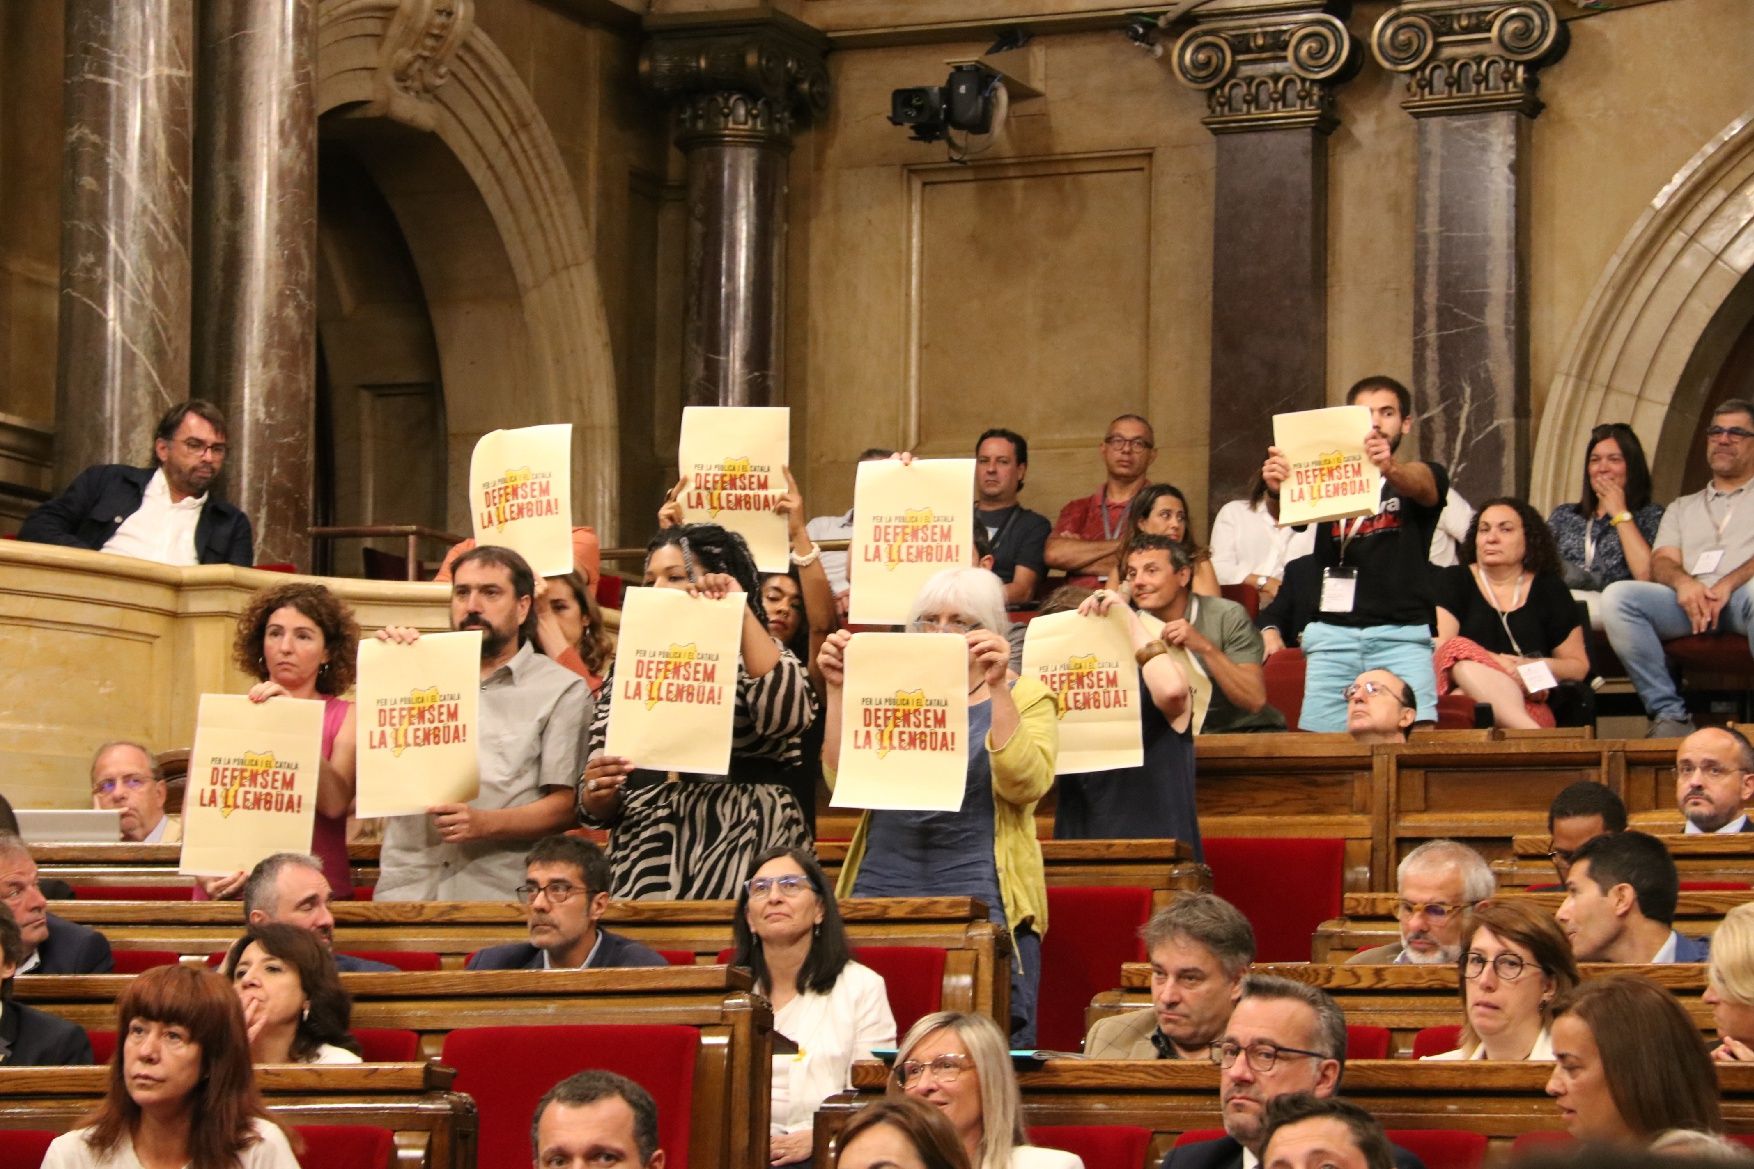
(1507, 627)
(695, 839)
(986, 848)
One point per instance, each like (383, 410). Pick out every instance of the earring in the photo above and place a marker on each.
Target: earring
(305, 1012)
(816, 930)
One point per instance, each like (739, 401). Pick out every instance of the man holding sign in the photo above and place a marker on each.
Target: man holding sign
(1375, 606)
(532, 719)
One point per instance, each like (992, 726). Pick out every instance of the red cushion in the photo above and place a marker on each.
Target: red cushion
(1246, 595)
(134, 961)
(400, 959)
(1436, 1041)
(346, 1146)
(24, 1148)
(1099, 1146)
(1251, 872)
(388, 1044)
(1366, 1041)
(103, 1046)
(508, 1069)
(1711, 886)
(609, 590)
(1714, 652)
(677, 957)
(1092, 933)
(1195, 1135)
(1455, 711)
(277, 566)
(131, 892)
(1283, 675)
(913, 976)
(1442, 1148)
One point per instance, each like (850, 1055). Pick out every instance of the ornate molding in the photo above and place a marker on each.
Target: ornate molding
(415, 57)
(1268, 72)
(748, 80)
(1465, 56)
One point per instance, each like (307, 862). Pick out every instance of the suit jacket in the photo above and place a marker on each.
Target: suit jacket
(1692, 949)
(1376, 955)
(615, 950)
(349, 964)
(30, 1038)
(94, 505)
(73, 949)
(1125, 1036)
(1226, 1153)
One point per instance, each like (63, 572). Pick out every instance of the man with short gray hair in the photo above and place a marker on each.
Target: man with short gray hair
(596, 1117)
(1200, 947)
(126, 777)
(289, 888)
(1438, 883)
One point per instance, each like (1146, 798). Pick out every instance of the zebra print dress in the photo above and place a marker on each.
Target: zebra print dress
(693, 839)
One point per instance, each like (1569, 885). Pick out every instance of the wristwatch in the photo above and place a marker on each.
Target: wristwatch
(1624, 517)
(1261, 581)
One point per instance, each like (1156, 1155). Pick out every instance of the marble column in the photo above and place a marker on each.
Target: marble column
(256, 241)
(1471, 83)
(741, 88)
(124, 307)
(1269, 76)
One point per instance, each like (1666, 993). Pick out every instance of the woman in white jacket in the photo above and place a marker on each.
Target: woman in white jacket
(1515, 961)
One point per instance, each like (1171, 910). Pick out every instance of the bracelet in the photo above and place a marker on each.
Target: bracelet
(1150, 650)
(1624, 517)
(812, 558)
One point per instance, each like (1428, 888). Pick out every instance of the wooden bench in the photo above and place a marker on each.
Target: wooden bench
(732, 1069)
(1166, 867)
(1500, 1100)
(435, 1127)
(124, 864)
(1706, 857)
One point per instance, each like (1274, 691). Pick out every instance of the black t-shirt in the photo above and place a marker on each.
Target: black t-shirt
(1019, 537)
(1390, 552)
(1544, 619)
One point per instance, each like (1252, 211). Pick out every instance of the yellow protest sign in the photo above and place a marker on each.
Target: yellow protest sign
(909, 523)
(520, 494)
(1330, 477)
(675, 682)
(1088, 664)
(417, 718)
(252, 786)
(904, 722)
(733, 461)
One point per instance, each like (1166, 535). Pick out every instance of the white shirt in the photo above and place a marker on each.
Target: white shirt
(1033, 1157)
(831, 1030)
(329, 1053)
(1452, 528)
(69, 1151)
(1667, 953)
(548, 959)
(1543, 1049)
(159, 530)
(1247, 543)
(1730, 829)
(832, 527)
(156, 836)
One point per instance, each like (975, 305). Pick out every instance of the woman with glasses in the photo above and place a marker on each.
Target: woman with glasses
(958, 1063)
(1729, 986)
(1608, 533)
(294, 1007)
(987, 847)
(694, 839)
(833, 1010)
(1515, 961)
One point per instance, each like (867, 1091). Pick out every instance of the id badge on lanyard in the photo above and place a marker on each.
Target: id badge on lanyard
(1340, 583)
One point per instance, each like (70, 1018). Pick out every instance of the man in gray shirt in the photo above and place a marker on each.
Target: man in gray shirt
(1699, 572)
(533, 717)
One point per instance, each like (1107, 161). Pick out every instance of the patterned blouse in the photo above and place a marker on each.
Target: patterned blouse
(1609, 565)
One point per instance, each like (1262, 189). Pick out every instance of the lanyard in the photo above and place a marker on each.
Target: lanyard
(998, 535)
(1349, 528)
(1109, 532)
(1589, 541)
(1729, 514)
(1516, 600)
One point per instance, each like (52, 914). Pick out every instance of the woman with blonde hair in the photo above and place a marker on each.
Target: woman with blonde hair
(1729, 986)
(1515, 961)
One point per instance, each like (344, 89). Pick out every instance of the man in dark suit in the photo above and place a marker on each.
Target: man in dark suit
(1620, 900)
(29, 1037)
(1283, 1037)
(1311, 1130)
(566, 887)
(1714, 780)
(163, 512)
(51, 945)
(289, 888)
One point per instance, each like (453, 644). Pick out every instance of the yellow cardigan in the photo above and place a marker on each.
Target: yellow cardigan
(1023, 771)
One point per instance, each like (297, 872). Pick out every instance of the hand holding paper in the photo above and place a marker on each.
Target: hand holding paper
(904, 722)
(1086, 660)
(520, 484)
(1330, 469)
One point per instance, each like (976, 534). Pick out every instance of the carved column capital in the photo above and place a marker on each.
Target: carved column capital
(1269, 71)
(744, 80)
(1465, 56)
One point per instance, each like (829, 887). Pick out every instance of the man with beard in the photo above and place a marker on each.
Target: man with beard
(1438, 883)
(565, 891)
(532, 718)
(1374, 610)
(289, 888)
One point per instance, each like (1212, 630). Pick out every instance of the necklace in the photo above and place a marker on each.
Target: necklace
(977, 687)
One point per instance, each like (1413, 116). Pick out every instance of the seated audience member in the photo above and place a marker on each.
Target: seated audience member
(1162, 510)
(294, 1007)
(1379, 708)
(125, 776)
(1694, 1147)
(29, 1037)
(1631, 1064)
(958, 1063)
(587, 557)
(840, 527)
(1453, 524)
(595, 1118)
(1620, 902)
(1248, 545)
(1507, 626)
(1019, 536)
(51, 945)
(164, 512)
(1729, 986)
(1714, 780)
(1314, 1132)
(1606, 535)
(1438, 883)
(290, 888)
(571, 631)
(900, 1133)
(788, 932)
(181, 1088)
(1578, 814)
(1089, 530)
(565, 891)
(1199, 946)
(1699, 573)
(1515, 961)
(1283, 1037)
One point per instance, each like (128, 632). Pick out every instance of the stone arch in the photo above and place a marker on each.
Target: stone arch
(451, 113)
(1659, 322)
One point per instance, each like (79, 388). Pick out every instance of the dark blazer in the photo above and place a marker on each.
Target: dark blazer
(73, 949)
(30, 1038)
(349, 964)
(1226, 1153)
(1692, 949)
(614, 951)
(88, 513)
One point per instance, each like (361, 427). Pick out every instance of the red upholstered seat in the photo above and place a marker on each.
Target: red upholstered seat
(1436, 1041)
(1717, 653)
(1092, 933)
(1365, 1041)
(346, 1146)
(134, 961)
(103, 1046)
(1195, 1135)
(24, 1148)
(1283, 675)
(1442, 1148)
(1246, 595)
(1251, 873)
(677, 957)
(1455, 712)
(131, 892)
(1712, 886)
(610, 589)
(913, 976)
(400, 959)
(388, 1044)
(1099, 1146)
(508, 1069)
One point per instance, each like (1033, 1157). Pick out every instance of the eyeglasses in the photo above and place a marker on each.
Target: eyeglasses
(946, 625)
(1562, 855)
(131, 783)
(945, 1069)
(1434, 911)
(789, 885)
(1713, 770)
(1735, 432)
(1120, 442)
(1261, 1056)
(197, 448)
(1371, 690)
(1507, 966)
(557, 892)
